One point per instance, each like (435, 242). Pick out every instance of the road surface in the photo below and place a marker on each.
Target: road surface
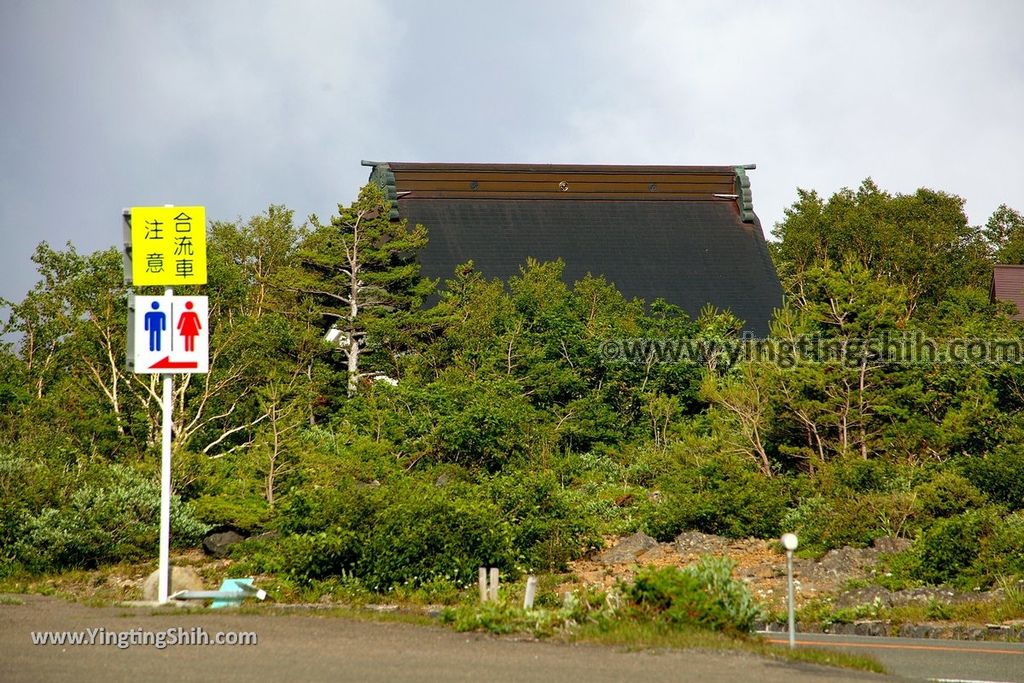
(310, 648)
(929, 659)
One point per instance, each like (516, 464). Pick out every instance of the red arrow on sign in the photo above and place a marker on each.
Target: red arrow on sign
(167, 364)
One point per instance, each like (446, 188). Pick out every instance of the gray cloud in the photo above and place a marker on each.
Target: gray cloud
(238, 104)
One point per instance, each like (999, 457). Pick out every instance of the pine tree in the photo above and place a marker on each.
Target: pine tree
(359, 268)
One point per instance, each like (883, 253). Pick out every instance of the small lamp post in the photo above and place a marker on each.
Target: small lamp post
(789, 542)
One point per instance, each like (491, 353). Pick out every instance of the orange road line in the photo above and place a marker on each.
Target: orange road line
(887, 646)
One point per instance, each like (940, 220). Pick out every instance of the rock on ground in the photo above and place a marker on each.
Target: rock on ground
(627, 549)
(182, 579)
(217, 543)
(891, 544)
(695, 542)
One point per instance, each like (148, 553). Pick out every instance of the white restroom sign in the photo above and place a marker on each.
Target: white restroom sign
(170, 334)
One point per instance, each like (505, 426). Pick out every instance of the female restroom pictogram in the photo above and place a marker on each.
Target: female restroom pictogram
(189, 327)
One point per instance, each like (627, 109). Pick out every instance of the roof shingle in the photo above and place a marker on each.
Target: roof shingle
(655, 231)
(1008, 285)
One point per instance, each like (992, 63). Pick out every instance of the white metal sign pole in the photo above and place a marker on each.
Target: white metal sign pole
(165, 484)
(161, 235)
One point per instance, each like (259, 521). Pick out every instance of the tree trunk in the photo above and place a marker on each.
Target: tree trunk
(275, 450)
(353, 303)
(353, 365)
(765, 465)
(863, 409)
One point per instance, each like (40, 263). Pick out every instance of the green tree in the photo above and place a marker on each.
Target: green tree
(357, 269)
(1004, 232)
(921, 241)
(246, 258)
(746, 400)
(846, 308)
(72, 329)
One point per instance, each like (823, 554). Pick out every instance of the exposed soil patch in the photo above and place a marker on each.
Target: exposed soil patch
(762, 565)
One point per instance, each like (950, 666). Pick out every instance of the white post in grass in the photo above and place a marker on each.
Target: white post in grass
(531, 592)
(494, 585)
(789, 542)
(482, 581)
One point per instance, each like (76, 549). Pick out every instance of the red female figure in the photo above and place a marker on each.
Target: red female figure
(189, 326)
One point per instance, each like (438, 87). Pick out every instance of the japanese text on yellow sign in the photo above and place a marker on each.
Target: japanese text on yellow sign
(168, 245)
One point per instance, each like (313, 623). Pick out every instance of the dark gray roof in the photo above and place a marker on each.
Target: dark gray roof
(687, 234)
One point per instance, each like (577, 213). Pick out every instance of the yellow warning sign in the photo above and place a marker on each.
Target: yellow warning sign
(168, 245)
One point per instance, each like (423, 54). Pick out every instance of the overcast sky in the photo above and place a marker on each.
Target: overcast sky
(236, 105)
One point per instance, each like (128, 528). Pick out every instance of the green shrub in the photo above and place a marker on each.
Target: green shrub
(859, 520)
(13, 521)
(947, 551)
(948, 494)
(406, 532)
(105, 521)
(826, 523)
(421, 532)
(478, 424)
(549, 524)
(870, 610)
(347, 504)
(703, 595)
(507, 616)
(27, 486)
(808, 521)
(1003, 555)
(645, 466)
(1000, 474)
(722, 495)
(938, 611)
(305, 557)
(249, 513)
(595, 423)
(28, 483)
(857, 475)
(898, 571)
(436, 525)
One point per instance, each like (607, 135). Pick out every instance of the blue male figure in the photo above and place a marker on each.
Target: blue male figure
(155, 323)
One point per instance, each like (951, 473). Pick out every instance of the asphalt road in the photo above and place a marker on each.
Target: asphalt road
(962, 660)
(310, 648)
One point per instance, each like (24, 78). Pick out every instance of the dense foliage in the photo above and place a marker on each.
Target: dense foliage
(492, 427)
(704, 595)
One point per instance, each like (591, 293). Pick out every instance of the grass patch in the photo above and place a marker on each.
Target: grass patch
(822, 657)
(638, 635)
(352, 591)
(104, 585)
(40, 585)
(351, 613)
(11, 600)
(1008, 607)
(635, 636)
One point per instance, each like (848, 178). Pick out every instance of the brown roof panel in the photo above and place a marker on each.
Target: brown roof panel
(1008, 285)
(491, 181)
(556, 168)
